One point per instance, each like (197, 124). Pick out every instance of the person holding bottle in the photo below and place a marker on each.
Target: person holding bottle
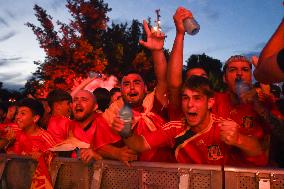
(95, 128)
(148, 110)
(201, 137)
(240, 102)
(175, 65)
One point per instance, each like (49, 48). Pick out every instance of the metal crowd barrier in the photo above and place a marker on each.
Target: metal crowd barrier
(16, 173)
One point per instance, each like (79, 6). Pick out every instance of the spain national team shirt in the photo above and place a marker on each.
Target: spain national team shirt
(36, 146)
(149, 117)
(204, 147)
(60, 127)
(27, 144)
(98, 132)
(244, 114)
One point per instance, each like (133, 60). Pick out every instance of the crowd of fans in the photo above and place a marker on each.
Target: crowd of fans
(181, 121)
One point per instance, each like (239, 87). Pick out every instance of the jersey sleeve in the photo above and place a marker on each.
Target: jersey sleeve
(103, 134)
(165, 136)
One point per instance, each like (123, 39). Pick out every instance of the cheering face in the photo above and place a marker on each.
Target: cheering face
(84, 105)
(133, 89)
(237, 69)
(196, 108)
(25, 118)
(197, 72)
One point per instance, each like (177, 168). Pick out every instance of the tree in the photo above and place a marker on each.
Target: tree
(121, 46)
(72, 51)
(85, 44)
(211, 65)
(91, 19)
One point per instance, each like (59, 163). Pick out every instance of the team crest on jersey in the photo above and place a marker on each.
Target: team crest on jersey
(247, 122)
(214, 152)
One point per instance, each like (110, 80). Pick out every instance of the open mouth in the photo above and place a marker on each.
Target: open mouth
(192, 115)
(19, 123)
(132, 95)
(78, 110)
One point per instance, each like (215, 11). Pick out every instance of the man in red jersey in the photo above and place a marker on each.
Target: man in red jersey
(97, 131)
(60, 126)
(149, 112)
(241, 103)
(175, 65)
(201, 137)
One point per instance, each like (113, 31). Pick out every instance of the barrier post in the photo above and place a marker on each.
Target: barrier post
(97, 175)
(184, 178)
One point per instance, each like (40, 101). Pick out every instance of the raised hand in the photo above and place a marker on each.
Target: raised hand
(179, 16)
(155, 38)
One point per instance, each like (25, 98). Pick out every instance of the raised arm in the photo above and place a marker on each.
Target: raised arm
(175, 65)
(155, 43)
(269, 68)
(81, 86)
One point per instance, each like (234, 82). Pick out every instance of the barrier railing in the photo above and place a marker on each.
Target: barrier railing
(16, 172)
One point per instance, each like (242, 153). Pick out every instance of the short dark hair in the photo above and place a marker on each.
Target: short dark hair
(114, 90)
(236, 58)
(200, 84)
(57, 95)
(193, 65)
(102, 96)
(131, 70)
(33, 104)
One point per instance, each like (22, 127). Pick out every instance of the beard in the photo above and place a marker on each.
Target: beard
(82, 118)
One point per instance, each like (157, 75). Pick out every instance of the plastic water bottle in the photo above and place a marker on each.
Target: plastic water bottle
(126, 115)
(241, 86)
(191, 26)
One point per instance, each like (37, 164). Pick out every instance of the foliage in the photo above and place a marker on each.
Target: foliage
(121, 46)
(87, 44)
(71, 51)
